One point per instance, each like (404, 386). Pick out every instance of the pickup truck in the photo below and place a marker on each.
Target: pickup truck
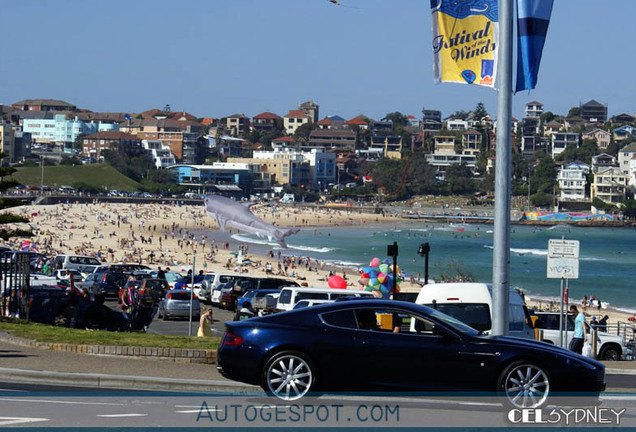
(610, 347)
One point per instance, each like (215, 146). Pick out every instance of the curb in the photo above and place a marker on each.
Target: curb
(125, 382)
(179, 355)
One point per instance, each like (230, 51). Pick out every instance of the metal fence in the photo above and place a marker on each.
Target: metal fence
(15, 282)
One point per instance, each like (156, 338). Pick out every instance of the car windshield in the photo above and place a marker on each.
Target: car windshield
(453, 322)
(476, 315)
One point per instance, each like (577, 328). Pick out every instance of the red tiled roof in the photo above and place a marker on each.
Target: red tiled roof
(356, 121)
(410, 117)
(267, 115)
(325, 121)
(296, 114)
(284, 139)
(208, 121)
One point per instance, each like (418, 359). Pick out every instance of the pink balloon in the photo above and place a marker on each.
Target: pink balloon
(375, 262)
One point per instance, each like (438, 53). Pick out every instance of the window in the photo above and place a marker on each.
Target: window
(344, 318)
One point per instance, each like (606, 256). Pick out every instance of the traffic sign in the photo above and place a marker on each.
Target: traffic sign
(563, 259)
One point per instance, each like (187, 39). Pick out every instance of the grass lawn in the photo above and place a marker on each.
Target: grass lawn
(63, 175)
(48, 333)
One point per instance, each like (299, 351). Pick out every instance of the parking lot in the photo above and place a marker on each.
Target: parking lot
(179, 327)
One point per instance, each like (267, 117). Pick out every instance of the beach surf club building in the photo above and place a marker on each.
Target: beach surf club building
(230, 179)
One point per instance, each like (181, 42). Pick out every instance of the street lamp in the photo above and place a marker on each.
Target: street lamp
(42, 179)
(423, 250)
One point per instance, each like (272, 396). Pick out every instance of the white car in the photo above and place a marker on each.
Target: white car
(610, 347)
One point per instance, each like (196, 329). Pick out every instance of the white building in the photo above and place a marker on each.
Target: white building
(572, 180)
(560, 141)
(625, 155)
(161, 154)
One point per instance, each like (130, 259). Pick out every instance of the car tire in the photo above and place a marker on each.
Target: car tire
(164, 317)
(524, 384)
(289, 375)
(610, 352)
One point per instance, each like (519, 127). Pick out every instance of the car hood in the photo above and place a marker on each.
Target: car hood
(537, 346)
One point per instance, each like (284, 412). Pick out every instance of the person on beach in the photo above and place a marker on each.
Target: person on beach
(580, 334)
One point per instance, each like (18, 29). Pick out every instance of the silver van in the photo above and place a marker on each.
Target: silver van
(82, 263)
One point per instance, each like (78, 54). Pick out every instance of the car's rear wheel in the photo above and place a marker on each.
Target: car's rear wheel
(610, 352)
(524, 384)
(289, 375)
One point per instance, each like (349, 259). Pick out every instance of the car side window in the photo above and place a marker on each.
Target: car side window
(343, 318)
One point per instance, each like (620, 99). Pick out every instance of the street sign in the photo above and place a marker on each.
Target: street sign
(563, 259)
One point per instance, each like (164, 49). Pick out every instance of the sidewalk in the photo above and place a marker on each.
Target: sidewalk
(33, 365)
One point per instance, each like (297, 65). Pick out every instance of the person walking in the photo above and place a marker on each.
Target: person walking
(580, 334)
(204, 324)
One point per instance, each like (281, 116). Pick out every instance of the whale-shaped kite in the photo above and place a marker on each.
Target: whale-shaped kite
(238, 215)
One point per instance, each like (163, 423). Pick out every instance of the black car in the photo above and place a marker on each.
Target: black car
(105, 282)
(384, 345)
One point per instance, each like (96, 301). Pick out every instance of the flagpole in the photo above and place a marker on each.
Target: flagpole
(501, 231)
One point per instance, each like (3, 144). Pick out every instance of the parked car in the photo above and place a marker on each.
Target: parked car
(107, 283)
(610, 347)
(252, 294)
(171, 277)
(176, 304)
(295, 353)
(84, 264)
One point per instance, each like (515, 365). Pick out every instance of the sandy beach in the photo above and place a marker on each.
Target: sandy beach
(163, 235)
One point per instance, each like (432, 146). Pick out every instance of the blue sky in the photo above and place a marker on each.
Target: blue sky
(215, 58)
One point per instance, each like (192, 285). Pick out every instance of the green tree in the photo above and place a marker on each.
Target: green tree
(543, 178)
(397, 118)
(583, 153)
(9, 218)
(480, 112)
(547, 117)
(304, 131)
(459, 180)
(574, 112)
(70, 161)
(629, 208)
(460, 115)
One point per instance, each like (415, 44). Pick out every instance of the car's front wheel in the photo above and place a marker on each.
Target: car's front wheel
(524, 385)
(289, 375)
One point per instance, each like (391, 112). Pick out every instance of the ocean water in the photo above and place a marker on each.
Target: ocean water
(607, 263)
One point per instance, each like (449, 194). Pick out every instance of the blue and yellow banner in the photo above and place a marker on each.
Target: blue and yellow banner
(465, 41)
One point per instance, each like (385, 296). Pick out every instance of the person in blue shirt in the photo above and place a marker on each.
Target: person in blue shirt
(580, 334)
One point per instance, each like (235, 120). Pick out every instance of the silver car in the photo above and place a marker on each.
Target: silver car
(176, 304)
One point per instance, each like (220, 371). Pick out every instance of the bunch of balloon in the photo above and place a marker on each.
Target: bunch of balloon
(378, 278)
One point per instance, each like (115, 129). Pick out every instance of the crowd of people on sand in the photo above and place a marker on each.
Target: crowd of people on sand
(172, 235)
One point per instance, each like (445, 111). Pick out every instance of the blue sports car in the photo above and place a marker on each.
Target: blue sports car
(382, 345)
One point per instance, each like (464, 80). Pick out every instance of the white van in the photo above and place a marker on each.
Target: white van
(289, 296)
(471, 303)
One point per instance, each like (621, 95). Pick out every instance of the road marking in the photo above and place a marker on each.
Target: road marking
(12, 390)
(5, 421)
(61, 402)
(122, 415)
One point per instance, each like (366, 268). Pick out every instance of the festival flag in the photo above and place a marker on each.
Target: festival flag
(465, 41)
(533, 17)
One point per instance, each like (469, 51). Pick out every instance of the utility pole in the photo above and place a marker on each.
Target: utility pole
(501, 232)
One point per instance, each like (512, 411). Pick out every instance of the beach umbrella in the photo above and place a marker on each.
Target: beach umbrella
(336, 282)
